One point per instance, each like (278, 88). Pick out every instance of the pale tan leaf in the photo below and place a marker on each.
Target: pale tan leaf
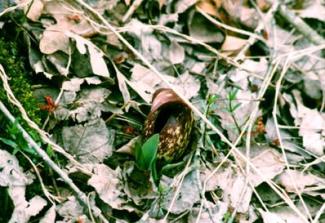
(315, 10)
(71, 210)
(53, 39)
(49, 216)
(176, 53)
(294, 180)
(233, 44)
(35, 10)
(108, 186)
(269, 163)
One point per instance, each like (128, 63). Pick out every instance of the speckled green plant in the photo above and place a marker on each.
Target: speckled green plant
(20, 81)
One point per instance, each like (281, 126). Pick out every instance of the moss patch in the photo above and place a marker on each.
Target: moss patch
(13, 62)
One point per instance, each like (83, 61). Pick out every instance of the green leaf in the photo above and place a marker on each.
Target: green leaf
(235, 107)
(9, 142)
(212, 99)
(49, 151)
(232, 94)
(146, 155)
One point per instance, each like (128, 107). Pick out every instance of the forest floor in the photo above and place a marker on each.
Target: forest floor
(78, 79)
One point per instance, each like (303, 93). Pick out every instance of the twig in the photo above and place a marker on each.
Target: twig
(45, 191)
(81, 196)
(301, 26)
(319, 213)
(131, 10)
(274, 113)
(230, 28)
(259, 28)
(186, 170)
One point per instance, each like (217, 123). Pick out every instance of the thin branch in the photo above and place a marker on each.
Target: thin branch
(131, 10)
(301, 26)
(230, 28)
(45, 191)
(274, 113)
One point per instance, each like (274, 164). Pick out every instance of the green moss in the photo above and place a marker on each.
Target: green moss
(20, 82)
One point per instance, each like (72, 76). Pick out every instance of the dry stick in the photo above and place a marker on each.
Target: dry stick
(82, 197)
(274, 113)
(234, 150)
(131, 10)
(319, 213)
(47, 194)
(301, 26)
(180, 181)
(231, 28)
(258, 29)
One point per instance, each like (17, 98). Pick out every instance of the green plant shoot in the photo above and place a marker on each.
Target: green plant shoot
(146, 154)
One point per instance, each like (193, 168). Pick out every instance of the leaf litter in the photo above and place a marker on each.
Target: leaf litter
(272, 168)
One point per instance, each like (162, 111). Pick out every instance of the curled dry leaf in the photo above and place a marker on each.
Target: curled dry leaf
(172, 119)
(53, 39)
(96, 55)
